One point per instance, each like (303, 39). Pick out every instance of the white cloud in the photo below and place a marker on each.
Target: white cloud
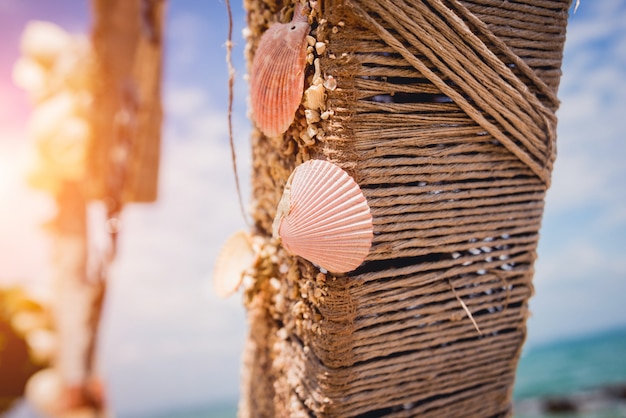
(614, 217)
(589, 165)
(576, 309)
(579, 260)
(577, 181)
(183, 102)
(595, 21)
(184, 30)
(578, 290)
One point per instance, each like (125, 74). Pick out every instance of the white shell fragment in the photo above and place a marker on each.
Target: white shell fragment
(314, 97)
(232, 262)
(324, 217)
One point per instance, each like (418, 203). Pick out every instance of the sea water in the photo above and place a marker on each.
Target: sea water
(578, 373)
(572, 365)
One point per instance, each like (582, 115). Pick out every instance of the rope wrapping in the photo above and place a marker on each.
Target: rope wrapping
(487, 91)
(444, 113)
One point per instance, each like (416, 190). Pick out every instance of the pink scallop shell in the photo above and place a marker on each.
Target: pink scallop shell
(235, 257)
(277, 74)
(324, 217)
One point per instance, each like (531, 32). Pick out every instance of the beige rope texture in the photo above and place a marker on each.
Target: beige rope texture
(526, 126)
(444, 114)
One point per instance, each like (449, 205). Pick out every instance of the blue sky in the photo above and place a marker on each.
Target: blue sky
(167, 340)
(580, 276)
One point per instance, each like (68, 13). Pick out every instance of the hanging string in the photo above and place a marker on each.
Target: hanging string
(231, 84)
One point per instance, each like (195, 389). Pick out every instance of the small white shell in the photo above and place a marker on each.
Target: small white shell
(233, 260)
(323, 217)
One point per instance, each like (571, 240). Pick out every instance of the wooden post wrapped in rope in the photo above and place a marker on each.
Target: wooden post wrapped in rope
(443, 111)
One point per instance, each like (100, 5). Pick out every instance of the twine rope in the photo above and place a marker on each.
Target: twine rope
(443, 113)
(469, 72)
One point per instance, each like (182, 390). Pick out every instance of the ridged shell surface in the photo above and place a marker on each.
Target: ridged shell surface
(277, 74)
(235, 257)
(324, 217)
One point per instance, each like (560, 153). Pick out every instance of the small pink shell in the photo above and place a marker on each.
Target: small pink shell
(235, 257)
(324, 217)
(277, 74)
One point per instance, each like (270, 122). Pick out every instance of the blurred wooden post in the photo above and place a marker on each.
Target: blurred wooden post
(75, 302)
(127, 39)
(123, 159)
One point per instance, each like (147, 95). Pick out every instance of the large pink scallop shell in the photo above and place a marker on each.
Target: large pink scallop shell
(277, 74)
(324, 217)
(235, 257)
